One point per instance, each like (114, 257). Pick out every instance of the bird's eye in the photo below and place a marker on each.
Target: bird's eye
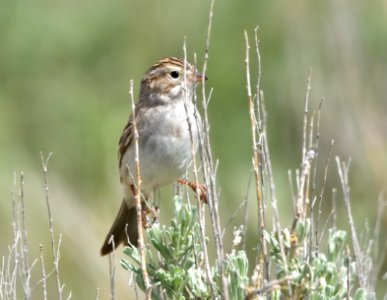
(174, 74)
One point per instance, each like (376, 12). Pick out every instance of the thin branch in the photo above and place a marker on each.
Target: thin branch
(320, 197)
(316, 145)
(313, 190)
(137, 197)
(343, 169)
(307, 157)
(306, 111)
(262, 256)
(9, 269)
(200, 208)
(44, 281)
(262, 119)
(306, 200)
(112, 271)
(55, 256)
(260, 113)
(26, 271)
(246, 213)
(209, 171)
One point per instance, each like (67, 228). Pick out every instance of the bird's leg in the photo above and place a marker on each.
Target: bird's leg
(202, 188)
(146, 209)
(154, 211)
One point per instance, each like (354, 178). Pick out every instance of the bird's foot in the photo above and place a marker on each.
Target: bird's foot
(153, 211)
(199, 189)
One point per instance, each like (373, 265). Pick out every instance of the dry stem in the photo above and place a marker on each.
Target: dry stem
(137, 197)
(44, 276)
(55, 251)
(262, 257)
(200, 208)
(112, 270)
(320, 197)
(209, 169)
(343, 168)
(306, 159)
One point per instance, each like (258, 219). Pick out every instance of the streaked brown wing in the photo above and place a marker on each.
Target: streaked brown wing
(125, 141)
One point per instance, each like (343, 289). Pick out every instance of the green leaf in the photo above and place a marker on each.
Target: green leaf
(360, 294)
(177, 203)
(133, 253)
(336, 243)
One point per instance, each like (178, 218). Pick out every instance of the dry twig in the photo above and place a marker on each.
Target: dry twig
(262, 256)
(209, 168)
(137, 196)
(54, 249)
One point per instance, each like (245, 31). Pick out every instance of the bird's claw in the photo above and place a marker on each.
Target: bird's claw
(198, 189)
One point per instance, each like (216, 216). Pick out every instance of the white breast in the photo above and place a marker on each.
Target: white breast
(165, 147)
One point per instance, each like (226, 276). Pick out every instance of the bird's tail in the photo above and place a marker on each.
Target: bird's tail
(124, 230)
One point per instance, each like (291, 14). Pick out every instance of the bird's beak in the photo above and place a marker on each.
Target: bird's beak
(199, 78)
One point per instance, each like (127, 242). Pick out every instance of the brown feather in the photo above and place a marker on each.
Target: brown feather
(125, 141)
(123, 229)
(125, 225)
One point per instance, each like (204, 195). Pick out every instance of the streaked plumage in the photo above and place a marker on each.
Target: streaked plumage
(164, 140)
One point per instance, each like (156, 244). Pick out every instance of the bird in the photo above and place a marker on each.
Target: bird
(168, 129)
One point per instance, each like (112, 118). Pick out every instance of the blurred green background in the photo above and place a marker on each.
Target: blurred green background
(65, 68)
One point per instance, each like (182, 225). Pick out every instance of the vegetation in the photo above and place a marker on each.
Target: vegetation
(175, 266)
(64, 76)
